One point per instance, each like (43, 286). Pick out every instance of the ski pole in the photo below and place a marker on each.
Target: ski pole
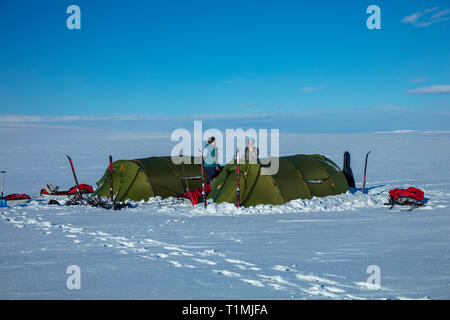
(365, 170)
(111, 191)
(205, 203)
(238, 180)
(115, 205)
(3, 182)
(75, 177)
(3, 200)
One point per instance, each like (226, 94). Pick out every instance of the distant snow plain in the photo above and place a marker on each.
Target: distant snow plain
(305, 249)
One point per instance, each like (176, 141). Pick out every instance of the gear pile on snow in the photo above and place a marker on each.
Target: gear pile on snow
(406, 197)
(52, 192)
(196, 196)
(106, 203)
(17, 198)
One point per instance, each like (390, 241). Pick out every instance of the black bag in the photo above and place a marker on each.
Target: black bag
(347, 170)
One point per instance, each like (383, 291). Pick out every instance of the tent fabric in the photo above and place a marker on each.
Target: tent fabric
(298, 177)
(141, 179)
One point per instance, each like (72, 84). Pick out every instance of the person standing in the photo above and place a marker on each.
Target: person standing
(251, 152)
(210, 164)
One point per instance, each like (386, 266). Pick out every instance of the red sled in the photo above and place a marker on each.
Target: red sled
(53, 193)
(411, 192)
(406, 197)
(17, 198)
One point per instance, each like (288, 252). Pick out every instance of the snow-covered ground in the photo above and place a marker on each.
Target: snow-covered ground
(162, 249)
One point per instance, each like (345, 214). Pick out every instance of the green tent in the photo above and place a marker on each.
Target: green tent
(142, 179)
(298, 177)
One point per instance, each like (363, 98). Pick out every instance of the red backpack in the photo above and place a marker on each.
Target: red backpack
(411, 192)
(411, 196)
(17, 196)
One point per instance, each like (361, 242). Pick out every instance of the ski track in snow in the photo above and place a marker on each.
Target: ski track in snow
(281, 278)
(311, 285)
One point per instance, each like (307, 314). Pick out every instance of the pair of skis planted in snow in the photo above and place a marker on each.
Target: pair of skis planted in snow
(116, 205)
(113, 203)
(365, 170)
(238, 180)
(75, 177)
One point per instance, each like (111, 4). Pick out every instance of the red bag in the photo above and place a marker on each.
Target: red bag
(16, 196)
(84, 188)
(195, 195)
(411, 192)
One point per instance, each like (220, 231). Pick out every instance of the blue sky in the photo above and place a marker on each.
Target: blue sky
(296, 65)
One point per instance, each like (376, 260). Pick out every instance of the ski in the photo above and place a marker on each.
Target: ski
(115, 204)
(203, 179)
(409, 209)
(187, 184)
(3, 202)
(238, 180)
(365, 170)
(75, 177)
(111, 187)
(405, 203)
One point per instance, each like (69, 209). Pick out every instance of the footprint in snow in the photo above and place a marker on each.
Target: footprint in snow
(205, 261)
(227, 273)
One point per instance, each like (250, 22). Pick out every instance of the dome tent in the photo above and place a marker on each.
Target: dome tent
(141, 179)
(298, 177)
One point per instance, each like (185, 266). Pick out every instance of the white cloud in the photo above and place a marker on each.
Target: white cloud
(389, 107)
(412, 18)
(440, 89)
(20, 118)
(381, 118)
(312, 89)
(248, 105)
(441, 14)
(424, 18)
(15, 118)
(417, 80)
(12, 118)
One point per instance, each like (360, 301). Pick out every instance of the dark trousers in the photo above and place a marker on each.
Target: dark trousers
(210, 171)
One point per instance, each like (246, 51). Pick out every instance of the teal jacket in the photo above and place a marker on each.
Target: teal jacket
(210, 158)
